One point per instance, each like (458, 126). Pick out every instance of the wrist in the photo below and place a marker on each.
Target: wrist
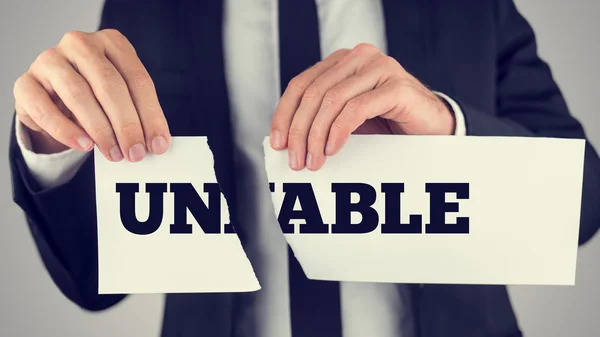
(435, 118)
(446, 117)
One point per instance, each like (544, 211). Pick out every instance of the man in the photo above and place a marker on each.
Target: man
(216, 68)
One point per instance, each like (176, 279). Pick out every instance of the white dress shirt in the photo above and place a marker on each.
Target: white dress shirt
(251, 44)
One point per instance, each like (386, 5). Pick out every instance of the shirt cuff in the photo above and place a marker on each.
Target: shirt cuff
(459, 117)
(49, 170)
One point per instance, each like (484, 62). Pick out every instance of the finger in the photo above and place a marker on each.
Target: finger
(366, 106)
(77, 96)
(290, 100)
(334, 101)
(110, 90)
(25, 119)
(315, 95)
(143, 93)
(38, 105)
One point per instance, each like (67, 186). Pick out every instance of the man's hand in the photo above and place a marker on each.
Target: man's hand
(353, 91)
(92, 89)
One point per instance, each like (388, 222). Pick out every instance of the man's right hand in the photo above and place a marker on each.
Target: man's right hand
(92, 89)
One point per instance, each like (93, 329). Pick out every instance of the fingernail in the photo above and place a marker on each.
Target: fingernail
(137, 152)
(159, 145)
(309, 161)
(85, 143)
(293, 161)
(276, 140)
(115, 153)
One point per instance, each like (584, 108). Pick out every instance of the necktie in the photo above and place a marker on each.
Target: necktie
(315, 305)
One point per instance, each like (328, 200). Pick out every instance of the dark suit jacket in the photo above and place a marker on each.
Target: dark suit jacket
(480, 52)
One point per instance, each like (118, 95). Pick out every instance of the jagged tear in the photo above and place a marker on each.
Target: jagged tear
(169, 258)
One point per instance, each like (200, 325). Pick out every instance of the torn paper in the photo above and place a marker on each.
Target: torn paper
(522, 205)
(157, 256)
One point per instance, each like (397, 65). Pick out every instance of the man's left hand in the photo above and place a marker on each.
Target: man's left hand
(361, 90)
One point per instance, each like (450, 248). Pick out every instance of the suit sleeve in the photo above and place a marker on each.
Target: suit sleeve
(530, 104)
(62, 221)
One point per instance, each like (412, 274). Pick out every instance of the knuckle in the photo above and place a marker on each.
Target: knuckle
(76, 89)
(153, 106)
(27, 121)
(130, 130)
(75, 37)
(386, 60)
(117, 39)
(158, 123)
(297, 83)
(102, 134)
(333, 96)
(365, 48)
(76, 94)
(19, 84)
(54, 129)
(295, 132)
(340, 52)
(110, 79)
(355, 105)
(19, 111)
(80, 44)
(338, 125)
(312, 92)
(389, 60)
(37, 113)
(41, 117)
(47, 56)
(156, 126)
(112, 33)
(315, 137)
(138, 78)
(358, 110)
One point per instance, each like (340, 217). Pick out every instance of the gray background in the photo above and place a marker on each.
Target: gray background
(30, 304)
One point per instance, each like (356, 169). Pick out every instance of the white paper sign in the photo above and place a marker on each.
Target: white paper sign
(523, 209)
(163, 262)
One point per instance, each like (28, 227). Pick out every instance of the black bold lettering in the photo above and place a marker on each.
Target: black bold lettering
(439, 207)
(186, 197)
(309, 211)
(393, 212)
(129, 219)
(345, 207)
